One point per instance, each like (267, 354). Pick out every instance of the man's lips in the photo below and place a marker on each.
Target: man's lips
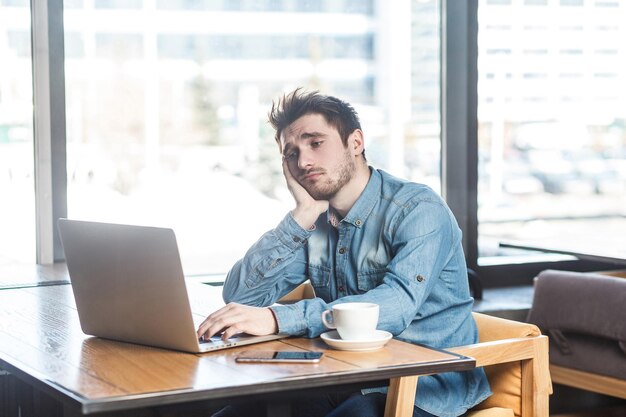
(311, 175)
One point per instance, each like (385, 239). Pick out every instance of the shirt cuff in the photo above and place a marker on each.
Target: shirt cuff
(291, 234)
(290, 319)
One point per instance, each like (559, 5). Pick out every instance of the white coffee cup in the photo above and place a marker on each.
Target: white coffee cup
(353, 321)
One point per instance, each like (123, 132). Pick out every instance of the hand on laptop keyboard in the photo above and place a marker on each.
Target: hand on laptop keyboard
(214, 339)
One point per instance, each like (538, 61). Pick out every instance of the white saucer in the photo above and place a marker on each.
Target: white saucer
(378, 340)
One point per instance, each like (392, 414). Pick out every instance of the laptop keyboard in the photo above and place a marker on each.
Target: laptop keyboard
(213, 339)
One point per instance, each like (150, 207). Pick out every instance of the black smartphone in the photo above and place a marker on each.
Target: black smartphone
(279, 357)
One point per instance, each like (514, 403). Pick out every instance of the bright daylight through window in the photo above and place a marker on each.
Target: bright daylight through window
(17, 183)
(167, 105)
(552, 125)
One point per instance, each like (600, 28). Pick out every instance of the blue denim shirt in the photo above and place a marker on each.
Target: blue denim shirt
(400, 247)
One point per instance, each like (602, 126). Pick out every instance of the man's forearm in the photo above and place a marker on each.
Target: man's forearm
(274, 263)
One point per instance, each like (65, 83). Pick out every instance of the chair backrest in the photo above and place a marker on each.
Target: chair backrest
(505, 379)
(515, 357)
(301, 292)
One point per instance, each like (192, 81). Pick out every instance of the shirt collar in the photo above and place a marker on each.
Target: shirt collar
(333, 218)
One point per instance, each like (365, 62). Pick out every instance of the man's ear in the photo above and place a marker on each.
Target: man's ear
(356, 141)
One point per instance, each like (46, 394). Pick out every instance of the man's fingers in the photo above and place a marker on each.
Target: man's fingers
(216, 321)
(231, 331)
(236, 318)
(299, 193)
(291, 181)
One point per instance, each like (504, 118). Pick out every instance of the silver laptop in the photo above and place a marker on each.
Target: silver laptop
(129, 286)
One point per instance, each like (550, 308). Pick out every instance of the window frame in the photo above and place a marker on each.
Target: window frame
(48, 60)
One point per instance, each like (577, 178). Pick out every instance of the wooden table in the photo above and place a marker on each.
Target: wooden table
(42, 345)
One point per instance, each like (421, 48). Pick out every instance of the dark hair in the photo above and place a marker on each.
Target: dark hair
(292, 106)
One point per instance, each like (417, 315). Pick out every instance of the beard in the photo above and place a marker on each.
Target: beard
(327, 188)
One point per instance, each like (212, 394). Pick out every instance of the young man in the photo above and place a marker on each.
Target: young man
(358, 234)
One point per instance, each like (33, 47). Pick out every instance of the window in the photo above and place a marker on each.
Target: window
(534, 75)
(551, 160)
(167, 107)
(17, 210)
(535, 51)
(571, 2)
(606, 51)
(571, 52)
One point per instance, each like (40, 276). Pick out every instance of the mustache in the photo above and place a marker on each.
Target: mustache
(312, 171)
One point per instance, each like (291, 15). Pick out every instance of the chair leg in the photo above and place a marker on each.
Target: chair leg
(401, 397)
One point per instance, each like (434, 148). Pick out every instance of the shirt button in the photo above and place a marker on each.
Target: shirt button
(341, 288)
(419, 278)
(296, 239)
(342, 250)
(358, 222)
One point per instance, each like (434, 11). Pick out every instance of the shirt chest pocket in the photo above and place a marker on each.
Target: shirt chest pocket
(370, 279)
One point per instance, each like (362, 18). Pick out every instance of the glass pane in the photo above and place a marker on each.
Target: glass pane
(167, 107)
(17, 210)
(552, 125)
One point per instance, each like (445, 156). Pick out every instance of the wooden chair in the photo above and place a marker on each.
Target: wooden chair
(515, 357)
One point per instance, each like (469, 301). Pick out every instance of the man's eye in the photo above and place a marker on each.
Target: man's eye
(316, 143)
(290, 155)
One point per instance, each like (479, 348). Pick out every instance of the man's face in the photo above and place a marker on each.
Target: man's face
(316, 156)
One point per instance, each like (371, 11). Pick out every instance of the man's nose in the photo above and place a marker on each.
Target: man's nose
(305, 160)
